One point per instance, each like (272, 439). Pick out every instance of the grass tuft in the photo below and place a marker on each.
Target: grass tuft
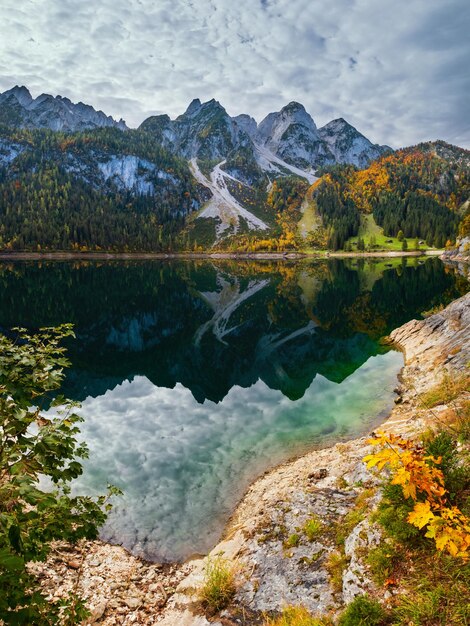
(363, 611)
(219, 586)
(381, 561)
(312, 528)
(335, 566)
(292, 541)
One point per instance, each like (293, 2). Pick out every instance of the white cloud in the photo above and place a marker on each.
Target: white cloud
(184, 465)
(396, 70)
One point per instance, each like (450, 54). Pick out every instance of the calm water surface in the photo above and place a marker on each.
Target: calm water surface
(195, 377)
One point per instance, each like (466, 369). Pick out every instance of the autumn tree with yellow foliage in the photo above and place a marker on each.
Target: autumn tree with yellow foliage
(422, 481)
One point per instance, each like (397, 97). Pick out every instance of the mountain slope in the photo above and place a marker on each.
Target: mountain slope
(347, 145)
(95, 189)
(412, 193)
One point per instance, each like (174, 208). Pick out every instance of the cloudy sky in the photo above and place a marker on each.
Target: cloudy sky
(398, 70)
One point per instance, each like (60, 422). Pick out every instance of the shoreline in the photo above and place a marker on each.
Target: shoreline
(138, 256)
(325, 482)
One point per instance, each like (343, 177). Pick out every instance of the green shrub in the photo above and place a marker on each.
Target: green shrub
(363, 611)
(456, 473)
(392, 515)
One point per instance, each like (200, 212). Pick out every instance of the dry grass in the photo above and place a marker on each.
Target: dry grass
(446, 391)
(335, 566)
(297, 616)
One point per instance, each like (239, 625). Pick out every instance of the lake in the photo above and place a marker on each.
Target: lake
(197, 376)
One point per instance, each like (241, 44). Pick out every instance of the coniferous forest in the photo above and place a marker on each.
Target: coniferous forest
(53, 196)
(108, 189)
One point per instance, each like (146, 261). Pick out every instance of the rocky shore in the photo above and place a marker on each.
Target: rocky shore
(459, 256)
(278, 560)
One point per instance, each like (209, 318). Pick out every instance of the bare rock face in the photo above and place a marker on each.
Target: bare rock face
(460, 255)
(364, 537)
(439, 343)
(292, 135)
(348, 145)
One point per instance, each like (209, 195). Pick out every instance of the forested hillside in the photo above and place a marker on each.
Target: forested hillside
(108, 189)
(419, 191)
(100, 189)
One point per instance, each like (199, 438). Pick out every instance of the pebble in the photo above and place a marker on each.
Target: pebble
(133, 602)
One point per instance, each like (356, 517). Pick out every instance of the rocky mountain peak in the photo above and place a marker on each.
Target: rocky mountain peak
(18, 107)
(336, 126)
(291, 134)
(247, 123)
(21, 94)
(295, 113)
(205, 130)
(275, 125)
(347, 145)
(194, 107)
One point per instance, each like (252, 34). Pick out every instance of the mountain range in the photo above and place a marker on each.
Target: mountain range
(206, 131)
(74, 177)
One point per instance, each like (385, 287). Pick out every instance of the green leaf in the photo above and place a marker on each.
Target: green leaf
(14, 535)
(10, 562)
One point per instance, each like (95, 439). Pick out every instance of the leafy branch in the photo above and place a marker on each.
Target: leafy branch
(34, 445)
(419, 478)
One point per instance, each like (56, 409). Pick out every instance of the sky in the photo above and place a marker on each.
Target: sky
(398, 70)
